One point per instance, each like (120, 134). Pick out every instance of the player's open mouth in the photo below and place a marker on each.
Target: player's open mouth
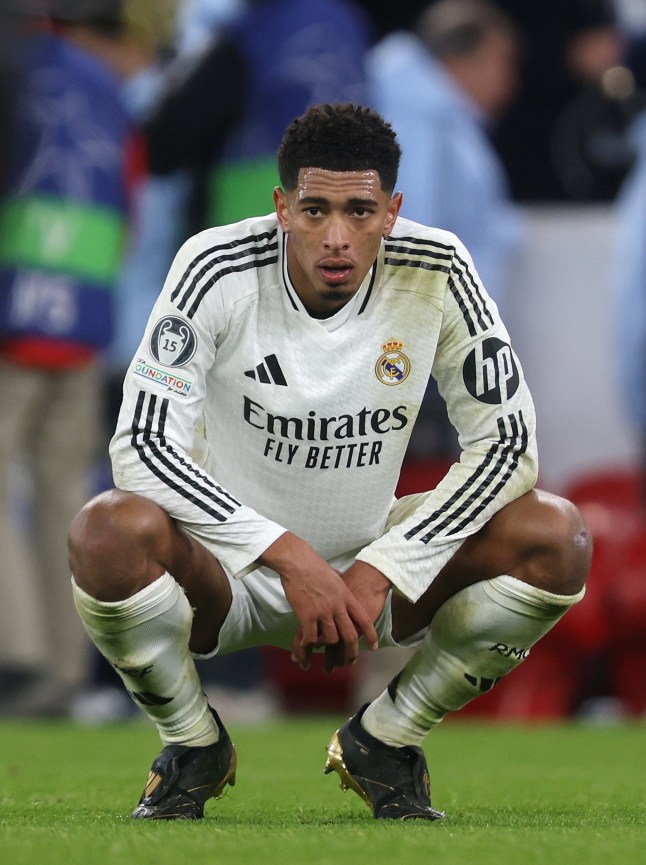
(335, 273)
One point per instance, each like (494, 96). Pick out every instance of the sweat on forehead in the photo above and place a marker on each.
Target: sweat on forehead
(325, 180)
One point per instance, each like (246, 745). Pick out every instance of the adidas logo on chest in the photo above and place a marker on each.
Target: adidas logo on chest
(268, 371)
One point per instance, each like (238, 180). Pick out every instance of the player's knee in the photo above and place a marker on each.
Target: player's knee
(110, 542)
(559, 546)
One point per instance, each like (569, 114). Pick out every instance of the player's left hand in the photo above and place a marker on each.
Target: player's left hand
(371, 588)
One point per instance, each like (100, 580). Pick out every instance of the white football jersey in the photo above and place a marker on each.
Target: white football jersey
(244, 417)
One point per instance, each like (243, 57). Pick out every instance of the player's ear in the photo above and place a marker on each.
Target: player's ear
(282, 210)
(394, 206)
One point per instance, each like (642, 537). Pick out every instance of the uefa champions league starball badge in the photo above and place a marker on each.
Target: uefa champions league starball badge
(393, 366)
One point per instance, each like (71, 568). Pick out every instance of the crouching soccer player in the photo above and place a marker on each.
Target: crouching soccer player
(264, 422)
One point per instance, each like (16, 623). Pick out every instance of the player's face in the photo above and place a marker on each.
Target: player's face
(335, 221)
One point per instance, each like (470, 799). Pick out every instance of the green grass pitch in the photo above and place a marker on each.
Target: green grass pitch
(513, 794)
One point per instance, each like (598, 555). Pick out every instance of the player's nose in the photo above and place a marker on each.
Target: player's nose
(336, 234)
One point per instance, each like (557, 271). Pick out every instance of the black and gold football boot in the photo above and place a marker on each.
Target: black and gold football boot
(393, 781)
(182, 778)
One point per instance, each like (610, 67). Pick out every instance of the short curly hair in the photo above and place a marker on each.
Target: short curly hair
(339, 137)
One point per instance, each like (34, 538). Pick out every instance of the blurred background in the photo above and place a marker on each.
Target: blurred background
(127, 125)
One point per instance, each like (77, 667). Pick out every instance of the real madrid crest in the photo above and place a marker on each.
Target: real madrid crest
(393, 366)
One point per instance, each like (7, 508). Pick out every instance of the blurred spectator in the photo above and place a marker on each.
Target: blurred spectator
(631, 287)
(620, 502)
(160, 202)
(61, 239)
(631, 234)
(226, 118)
(442, 87)
(565, 137)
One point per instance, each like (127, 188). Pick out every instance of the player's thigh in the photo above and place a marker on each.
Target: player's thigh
(538, 538)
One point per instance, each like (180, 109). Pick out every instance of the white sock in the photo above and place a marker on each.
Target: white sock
(145, 638)
(480, 634)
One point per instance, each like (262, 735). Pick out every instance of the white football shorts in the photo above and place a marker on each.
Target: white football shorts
(260, 614)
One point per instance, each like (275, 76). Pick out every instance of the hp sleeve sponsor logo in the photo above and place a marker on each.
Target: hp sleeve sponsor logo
(490, 371)
(173, 341)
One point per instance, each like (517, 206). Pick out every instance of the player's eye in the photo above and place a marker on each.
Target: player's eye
(312, 211)
(362, 212)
